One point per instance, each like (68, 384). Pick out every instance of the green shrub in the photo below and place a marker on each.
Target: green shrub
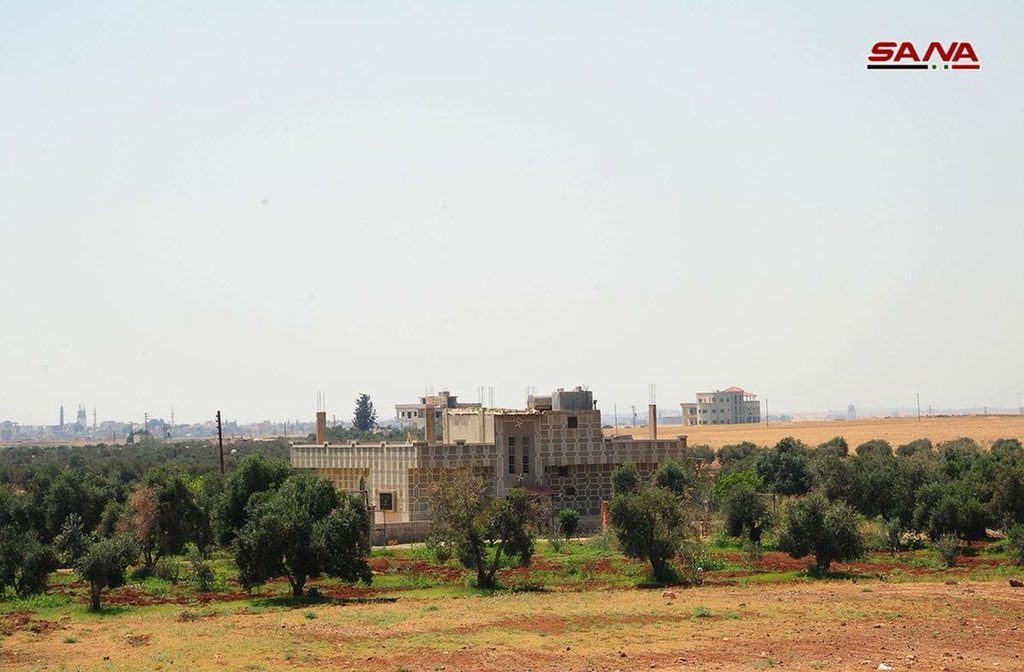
(72, 541)
(568, 522)
(203, 576)
(167, 569)
(948, 548)
(583, 568)
(752, 551)
(1015, 544)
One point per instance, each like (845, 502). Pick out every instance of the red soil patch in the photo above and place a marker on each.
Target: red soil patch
(414, 567)
(22, 620)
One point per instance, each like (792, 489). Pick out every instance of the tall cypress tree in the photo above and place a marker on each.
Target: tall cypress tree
(365, 417)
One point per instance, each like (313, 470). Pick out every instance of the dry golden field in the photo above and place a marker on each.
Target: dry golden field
(835, 625)
(982, 428)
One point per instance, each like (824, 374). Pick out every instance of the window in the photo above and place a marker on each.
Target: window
(511, 454)
(526, 462)
(386, 501)
(572, 422)
(563, 471)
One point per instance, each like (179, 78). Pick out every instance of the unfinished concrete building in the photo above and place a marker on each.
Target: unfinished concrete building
(554, 448)
(414, 415)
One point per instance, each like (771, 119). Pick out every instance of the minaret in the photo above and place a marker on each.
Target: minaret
(62, 416)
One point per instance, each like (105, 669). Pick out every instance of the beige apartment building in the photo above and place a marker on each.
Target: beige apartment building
(731, 406)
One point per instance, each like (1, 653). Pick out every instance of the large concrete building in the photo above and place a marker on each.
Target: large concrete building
(554, 448)
(731, 406)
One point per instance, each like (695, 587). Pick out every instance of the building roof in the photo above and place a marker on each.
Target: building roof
(734, 389)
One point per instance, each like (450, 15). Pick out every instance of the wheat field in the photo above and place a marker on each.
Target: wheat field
(982, 428)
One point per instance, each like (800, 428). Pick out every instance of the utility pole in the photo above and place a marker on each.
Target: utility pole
(615, 412)
(220, 443)
(767, 421)
(919, 407)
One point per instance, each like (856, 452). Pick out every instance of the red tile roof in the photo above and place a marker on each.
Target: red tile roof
(734, 389)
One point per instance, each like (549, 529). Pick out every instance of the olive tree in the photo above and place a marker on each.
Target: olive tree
(746, 512)
(24, 562)
(784, 468)
(652, 521)
(103, 565)
(480, 528)
(255, 473)
(303, 529)
(825, 530)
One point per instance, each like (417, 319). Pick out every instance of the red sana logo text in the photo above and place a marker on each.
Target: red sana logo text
(905, 56)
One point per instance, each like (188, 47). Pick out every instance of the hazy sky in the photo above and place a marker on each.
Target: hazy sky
(235, 204)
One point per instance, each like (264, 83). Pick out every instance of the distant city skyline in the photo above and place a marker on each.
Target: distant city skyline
(386, 413)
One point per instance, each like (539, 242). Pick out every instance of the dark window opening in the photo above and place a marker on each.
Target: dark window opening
(526, 462)
(570, 491)
(573, 422)
(563, 471)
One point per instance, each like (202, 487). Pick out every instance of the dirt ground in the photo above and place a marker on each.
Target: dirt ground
(834, 625)
(982, 428)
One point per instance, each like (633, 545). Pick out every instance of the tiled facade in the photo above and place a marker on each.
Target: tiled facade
(558, 453)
